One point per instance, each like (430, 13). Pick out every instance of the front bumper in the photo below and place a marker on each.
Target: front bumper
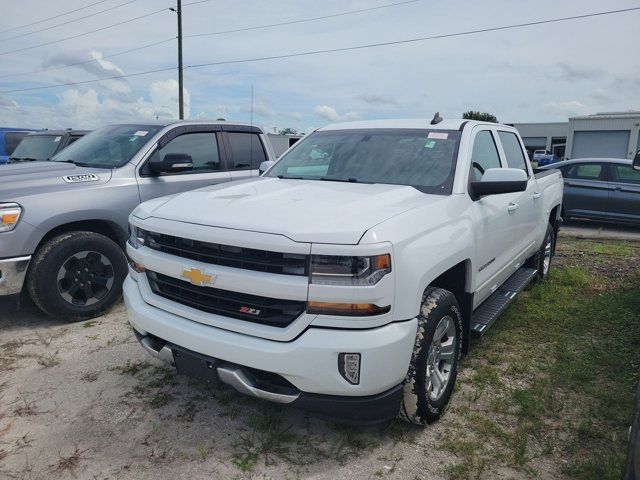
(309, 362)
(12, 274)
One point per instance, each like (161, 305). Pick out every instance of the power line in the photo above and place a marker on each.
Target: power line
(84, 62)
(67, 22)
(343, 49)
(205, 34)
(85, 33)
(291, 22)
(51, 18)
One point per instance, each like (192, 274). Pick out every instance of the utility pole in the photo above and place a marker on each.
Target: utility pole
(180, 79)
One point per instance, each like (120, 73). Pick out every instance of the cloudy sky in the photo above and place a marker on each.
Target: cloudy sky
(538, 73)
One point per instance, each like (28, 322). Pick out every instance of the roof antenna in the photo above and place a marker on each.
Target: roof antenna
(436, 119)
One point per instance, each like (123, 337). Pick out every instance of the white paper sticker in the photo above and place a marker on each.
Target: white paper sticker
(438, 135)
(141, 133)
(57, 139)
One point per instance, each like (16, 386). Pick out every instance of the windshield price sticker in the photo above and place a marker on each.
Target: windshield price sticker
(57, 139)
(141, 133)
(438, 135)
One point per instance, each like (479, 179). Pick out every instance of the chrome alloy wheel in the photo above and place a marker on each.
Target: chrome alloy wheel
(441, 357)
(546, 261)
(85, 278)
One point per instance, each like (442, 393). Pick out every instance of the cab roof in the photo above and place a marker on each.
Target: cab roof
(420, 123)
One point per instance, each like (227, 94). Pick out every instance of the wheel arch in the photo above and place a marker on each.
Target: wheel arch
(457, 280)
(107, 228)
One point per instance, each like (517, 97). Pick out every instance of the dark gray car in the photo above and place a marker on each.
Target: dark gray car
(601, 189)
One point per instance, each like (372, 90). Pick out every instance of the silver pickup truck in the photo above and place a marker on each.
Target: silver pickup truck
(63, 223)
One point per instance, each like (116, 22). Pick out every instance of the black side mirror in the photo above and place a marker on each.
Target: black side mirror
(172, 163)
(636, 161)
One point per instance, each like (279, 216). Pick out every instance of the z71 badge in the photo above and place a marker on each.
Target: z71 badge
(90, 177)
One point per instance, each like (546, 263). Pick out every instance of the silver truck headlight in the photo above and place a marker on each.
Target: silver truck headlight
(137, 236)
(350, 271)
(10, 214)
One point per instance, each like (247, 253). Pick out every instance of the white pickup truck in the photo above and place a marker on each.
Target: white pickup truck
(350, 277)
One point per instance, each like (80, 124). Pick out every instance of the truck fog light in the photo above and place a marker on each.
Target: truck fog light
(349, 367)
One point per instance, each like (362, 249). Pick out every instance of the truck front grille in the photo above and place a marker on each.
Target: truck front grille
(230, 256)
(252, 308)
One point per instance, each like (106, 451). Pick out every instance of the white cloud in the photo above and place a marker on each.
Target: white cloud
(330, 113)
(164, 97)
(567, 109)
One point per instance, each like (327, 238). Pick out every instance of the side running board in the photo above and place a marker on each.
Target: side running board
(486, 314)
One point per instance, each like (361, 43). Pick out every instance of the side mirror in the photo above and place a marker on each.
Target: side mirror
(264, 166)
(172, 163)
(499, 180)
(636, 161)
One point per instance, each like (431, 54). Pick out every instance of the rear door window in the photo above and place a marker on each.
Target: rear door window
(513, 151)
(625, 174)
(484, 155)
(247, 151)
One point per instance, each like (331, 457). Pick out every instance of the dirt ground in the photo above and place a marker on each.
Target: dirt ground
(85, 401)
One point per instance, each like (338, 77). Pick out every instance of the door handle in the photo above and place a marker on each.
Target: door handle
(536, 195)
(617, 188)
(512, 207)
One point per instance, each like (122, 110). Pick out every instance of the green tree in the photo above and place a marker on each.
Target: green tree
(288, 131)
(482, 116)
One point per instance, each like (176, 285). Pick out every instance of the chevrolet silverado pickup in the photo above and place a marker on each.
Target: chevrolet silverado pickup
(351, 276)
(63, 223)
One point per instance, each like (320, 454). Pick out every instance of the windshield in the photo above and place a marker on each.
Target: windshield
(36, 147)
(424, 159)
(108, 147)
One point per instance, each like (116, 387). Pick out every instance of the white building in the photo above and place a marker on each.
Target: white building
(550, 136)
(605, 135)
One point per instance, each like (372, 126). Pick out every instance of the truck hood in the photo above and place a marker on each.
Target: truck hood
(302, 210)
(25, 179)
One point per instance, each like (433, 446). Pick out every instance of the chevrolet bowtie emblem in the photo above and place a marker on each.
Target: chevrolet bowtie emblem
(198, 277)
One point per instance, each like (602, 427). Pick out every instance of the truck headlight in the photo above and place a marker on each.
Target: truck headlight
(137, 236)
(9, 215)
(350, 271)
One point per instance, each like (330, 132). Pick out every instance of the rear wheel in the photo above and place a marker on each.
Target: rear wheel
(546, 252)
(77, 275)
(434, 363)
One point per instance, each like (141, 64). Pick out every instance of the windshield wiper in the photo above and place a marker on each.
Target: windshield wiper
(283, 177)
(349, 180)
(79, 164)
(22, 159)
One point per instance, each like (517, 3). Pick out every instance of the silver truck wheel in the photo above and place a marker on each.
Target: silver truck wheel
(545, 255)
(85, 278)
(434, 362)
(76, 275)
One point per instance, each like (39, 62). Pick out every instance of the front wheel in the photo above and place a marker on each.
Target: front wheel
(77, 275)
(434, 363)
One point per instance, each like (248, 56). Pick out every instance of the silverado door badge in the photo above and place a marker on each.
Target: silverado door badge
(198, 277)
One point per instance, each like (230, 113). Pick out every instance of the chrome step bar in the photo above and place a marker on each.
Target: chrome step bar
(232, 375)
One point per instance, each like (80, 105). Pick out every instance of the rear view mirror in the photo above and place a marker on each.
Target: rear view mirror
(636, 161)
(499, 180)
(264, 166)
(171, 163)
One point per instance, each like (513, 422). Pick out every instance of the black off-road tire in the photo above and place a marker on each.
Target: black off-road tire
(43, 282)
(418, 404)
(548, 248)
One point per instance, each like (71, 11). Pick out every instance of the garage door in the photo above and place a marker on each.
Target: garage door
(535, 142)
(600, 144)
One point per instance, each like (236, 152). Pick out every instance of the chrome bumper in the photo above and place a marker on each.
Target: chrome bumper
(12, 273)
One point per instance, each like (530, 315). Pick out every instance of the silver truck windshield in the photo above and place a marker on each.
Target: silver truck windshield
(424, 159)
(35, 147)
(108, 147)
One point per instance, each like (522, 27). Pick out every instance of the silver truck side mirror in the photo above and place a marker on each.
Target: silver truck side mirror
(636, 161)
(264, 166)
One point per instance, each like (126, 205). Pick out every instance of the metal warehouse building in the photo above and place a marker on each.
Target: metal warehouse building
(544, 136)
(605, 135)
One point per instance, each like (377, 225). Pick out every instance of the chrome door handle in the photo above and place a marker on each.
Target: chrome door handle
(537, 195)
(512, 207)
